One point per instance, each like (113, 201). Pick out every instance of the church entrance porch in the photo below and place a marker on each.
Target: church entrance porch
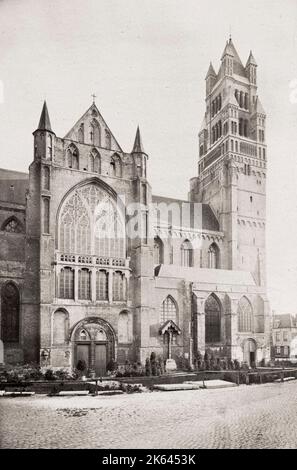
(93, 346)
(250, 352)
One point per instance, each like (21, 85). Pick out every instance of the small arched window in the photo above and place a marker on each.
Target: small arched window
(124, 327)
(60, 327)
(81, 134)
(213, 256)
(95, 133)
(84, 284)
(158, 251)
(12, 225)
(186, 253)
(168, 310)
(66, 283)
(72, 156)
(10, 313)
(46, 178)
(46, 215)
(245, 316)
(101, 285)
(107, 140)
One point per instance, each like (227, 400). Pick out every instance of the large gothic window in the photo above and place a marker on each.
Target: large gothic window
(245, 316)
(186, 253)
(212, 320)
(158, 251)
(101, 285)
(90, 224)
(10, 313)
(213, 256)
(168, 310)
(66, 283)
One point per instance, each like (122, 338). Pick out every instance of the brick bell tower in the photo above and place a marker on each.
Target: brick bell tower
(232, 162)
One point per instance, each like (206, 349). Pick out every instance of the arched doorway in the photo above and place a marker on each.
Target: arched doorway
(250, 351)
(94, 345)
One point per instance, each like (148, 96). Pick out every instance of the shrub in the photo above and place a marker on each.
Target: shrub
(236, 364)
(62, 374)
(112, 365)
(49, 375)
(81, 365)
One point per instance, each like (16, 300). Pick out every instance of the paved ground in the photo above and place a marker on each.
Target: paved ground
(255, 416)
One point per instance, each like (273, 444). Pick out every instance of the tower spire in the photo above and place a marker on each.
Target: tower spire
(138, 147)
(44, 122)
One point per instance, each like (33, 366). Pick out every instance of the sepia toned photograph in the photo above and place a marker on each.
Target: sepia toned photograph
(148, 226)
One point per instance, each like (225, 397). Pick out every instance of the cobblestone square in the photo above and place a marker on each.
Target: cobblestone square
(255, 416)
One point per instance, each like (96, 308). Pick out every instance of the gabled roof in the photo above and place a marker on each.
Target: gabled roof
(285, 320)
(13, 186)
(92, 113)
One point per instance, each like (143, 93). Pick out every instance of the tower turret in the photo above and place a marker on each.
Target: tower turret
(44, 137)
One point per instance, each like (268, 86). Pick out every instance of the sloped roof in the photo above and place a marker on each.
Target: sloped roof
(209, 220)
(206, 276)
(285, 320)
(13, 186)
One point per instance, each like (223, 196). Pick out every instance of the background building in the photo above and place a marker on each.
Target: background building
(284, 330)
(75, 286)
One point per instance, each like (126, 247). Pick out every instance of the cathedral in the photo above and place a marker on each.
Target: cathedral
(95, 267)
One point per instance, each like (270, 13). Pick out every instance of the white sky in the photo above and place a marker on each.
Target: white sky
(146, 61)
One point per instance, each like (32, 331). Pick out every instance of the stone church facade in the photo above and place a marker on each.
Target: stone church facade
(76, 283)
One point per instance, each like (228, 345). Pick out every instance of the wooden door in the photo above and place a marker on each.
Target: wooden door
(100, 360)
(83, 354)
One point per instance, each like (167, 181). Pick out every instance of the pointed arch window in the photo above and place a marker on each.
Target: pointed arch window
(90, 223)
(213, 256)
(245, 316)
(10, 313)
(158, 251)
(95, 133)
(94, 161)
(60, 327)
(116, 166)
(107, 140)
(168, 310)
(46, 215)
(46, 178)
(186, 254)
(212, 320)
(81, 134)
(72, 157)
(12, 225)
(124, 327)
